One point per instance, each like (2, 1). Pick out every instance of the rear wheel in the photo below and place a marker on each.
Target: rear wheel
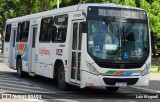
(112, 89)
(20, 73)
(61, 79)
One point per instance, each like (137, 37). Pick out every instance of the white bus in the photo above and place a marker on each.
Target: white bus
(85, 45)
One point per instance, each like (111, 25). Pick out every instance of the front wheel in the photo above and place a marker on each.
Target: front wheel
(20, 73)
(112, 89)
(61, 79)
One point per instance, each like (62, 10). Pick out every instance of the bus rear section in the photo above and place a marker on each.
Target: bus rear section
(7, 46)
(117, 44)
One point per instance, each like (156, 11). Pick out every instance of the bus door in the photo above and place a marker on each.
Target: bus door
(12, 48)
(76, 52)
(32, 67)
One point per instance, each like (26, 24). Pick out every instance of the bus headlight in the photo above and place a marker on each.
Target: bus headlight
(92, 69)
(146, 70)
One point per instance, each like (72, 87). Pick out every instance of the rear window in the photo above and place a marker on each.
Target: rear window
(8, 33)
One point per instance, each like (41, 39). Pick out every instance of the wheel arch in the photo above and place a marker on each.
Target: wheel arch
(18, 57)
(57, 64)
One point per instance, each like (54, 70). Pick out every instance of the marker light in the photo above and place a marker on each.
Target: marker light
(146, 70)
(92, 69)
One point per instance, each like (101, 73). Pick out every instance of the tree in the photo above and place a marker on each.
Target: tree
(15, 8)
(9, 8)
(155, 25)
(3, 9)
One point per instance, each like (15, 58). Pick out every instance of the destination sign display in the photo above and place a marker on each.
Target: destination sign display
(117, 12)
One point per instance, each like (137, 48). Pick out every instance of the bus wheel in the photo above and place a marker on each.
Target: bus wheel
(61, 79)
(112, 89)
(20, 73)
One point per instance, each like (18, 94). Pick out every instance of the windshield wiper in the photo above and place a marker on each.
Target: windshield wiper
(130, 27)
(116, 32)
(111, 27)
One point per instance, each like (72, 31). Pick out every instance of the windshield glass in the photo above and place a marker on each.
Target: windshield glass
(122, 40)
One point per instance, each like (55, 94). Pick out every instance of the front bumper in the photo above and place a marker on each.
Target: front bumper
(90, 80)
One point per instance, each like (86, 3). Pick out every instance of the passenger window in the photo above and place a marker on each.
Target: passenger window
(18, 32)
(80, 36)
(8, 33)
(75, 29)
(60, 28)
(46, 29)
(24, 31)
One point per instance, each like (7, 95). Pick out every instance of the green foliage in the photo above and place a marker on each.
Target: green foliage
(0, 22)
(145, 5)
(129, 3)
(115, 1)
(15, 8)
(91, 1)
(154, 17)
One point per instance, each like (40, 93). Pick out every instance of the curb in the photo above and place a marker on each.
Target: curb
(144, 90)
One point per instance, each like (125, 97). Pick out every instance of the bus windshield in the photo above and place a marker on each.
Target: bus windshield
(118, 39)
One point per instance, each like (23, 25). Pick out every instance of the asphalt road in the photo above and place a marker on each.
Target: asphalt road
(10, 83)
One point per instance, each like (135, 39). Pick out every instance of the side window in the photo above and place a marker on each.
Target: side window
(60, 28)
(8, 33)
(75, 29)
(18, 32)
(46, 29)
(24, 31)
(80, 36)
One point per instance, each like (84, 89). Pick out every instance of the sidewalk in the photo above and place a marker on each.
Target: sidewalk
(154, 81)
(155, 76)
(154, 85)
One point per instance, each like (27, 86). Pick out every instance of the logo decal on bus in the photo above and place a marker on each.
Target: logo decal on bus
(22, 49)
(126, 55)
(122, 66)
(122, 73)
(59, 52)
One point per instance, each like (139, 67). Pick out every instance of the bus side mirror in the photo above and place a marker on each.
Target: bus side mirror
(84, 27)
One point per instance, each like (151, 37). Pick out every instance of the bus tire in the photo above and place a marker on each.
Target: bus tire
(61, 79)
(112, 89)
(20, 73)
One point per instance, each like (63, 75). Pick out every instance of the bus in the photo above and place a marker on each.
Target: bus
(87, 45)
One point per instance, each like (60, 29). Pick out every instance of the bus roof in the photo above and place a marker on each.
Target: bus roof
(67, 9)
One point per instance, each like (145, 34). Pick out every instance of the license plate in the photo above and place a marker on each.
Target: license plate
(121, 84)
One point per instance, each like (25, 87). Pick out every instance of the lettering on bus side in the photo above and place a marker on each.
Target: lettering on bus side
(89, 84)
(78, 15)
(33, 22)
(43, 51)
